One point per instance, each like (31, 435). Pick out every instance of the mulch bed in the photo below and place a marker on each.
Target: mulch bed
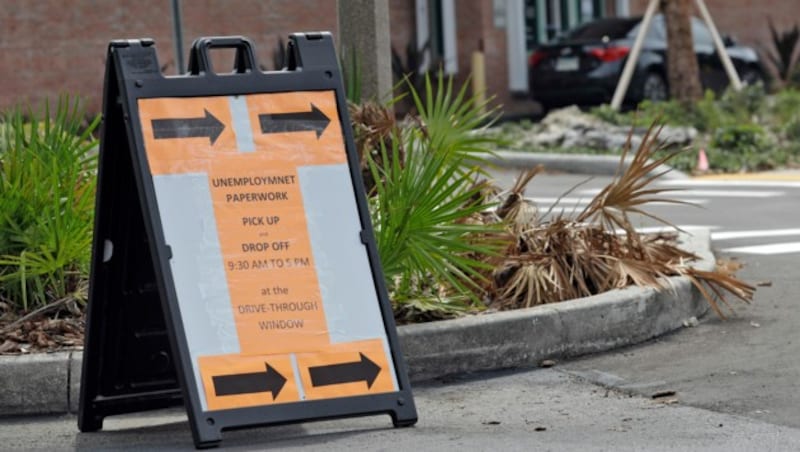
(49, 332)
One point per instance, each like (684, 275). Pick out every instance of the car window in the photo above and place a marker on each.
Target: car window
(700, 34)
(613, 28)
(656, 32)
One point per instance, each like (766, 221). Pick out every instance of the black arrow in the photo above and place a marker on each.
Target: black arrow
(294, 122)
(269, 381)
(334, 374)
(207, 126)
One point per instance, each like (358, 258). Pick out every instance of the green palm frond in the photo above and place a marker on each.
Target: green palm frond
(631, 188)
(450, 119)
(418, 214)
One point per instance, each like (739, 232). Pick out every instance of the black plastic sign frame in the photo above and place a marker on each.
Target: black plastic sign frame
(176, 148)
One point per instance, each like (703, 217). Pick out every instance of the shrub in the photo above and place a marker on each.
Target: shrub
(707, 115)
(610, 115)
(791, 129)
(785, 105)
(745, 105)
(743, 147)
(668, 112)
(47, 188)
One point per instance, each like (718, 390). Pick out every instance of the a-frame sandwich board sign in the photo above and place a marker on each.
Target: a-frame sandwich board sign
(234, 268)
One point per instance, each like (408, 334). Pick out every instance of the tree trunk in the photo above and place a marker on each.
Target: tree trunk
(683, 74)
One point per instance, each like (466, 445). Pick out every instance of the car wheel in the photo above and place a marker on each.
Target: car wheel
(544, 108)
(654, 88)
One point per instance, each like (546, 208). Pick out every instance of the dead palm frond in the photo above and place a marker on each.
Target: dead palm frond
(374, 126)
(373, 123)
(520, 213)
(565, 259)
(715, 284)
(631, 188)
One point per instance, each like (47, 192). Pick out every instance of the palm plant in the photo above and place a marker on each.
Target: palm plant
(429, 249)
(782, 55)
(427, 202)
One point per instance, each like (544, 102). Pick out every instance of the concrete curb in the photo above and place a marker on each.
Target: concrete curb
(600, 165)
(525, 337)
(35, 384)
(49, 383)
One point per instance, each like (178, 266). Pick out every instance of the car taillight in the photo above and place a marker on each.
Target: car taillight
(609, 54)
(536, 58)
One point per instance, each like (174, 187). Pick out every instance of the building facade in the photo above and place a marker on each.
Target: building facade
(507, 31)
(48, 47)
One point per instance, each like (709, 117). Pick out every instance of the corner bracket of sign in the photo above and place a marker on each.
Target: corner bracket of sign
(199, 191)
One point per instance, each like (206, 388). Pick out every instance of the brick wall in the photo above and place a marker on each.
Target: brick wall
(49, 47)
(474, 31)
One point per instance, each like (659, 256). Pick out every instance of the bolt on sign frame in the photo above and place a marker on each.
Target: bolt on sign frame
(234, 267)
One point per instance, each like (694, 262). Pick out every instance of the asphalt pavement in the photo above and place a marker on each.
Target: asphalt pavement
(541, 410)
(749, 364)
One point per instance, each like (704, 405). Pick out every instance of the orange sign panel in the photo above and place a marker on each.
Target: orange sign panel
(234, 381)
(352, 368)
(268, 260)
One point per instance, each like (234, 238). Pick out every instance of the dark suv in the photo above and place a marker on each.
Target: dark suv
(583, 66)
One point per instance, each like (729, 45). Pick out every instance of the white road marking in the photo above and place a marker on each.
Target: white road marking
(584, 201)
(655, 229)
(685, 227)
(729, 183)
(733, 235)
(712, 193)
(775, 248)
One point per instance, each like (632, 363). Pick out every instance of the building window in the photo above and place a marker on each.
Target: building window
(436, 34)
(545, 20)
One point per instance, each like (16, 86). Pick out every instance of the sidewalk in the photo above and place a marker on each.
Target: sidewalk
(49, 383)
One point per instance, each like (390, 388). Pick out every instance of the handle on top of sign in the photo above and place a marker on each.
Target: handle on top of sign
(200, 63)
